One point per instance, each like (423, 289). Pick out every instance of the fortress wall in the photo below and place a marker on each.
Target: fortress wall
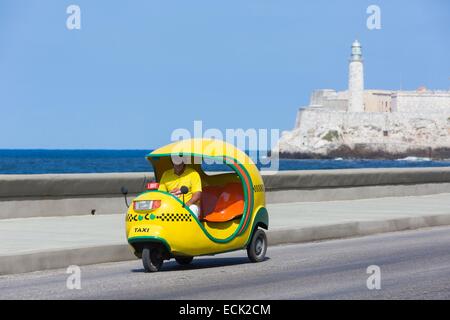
(336, 104)
(298, 118)
(401, 131)
(377, 101)
(331, 99)
(318, 96)
(421, 103)
(385, 101)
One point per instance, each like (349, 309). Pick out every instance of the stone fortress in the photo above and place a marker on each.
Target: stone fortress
(370, 123)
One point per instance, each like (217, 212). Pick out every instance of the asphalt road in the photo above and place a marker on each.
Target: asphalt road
(413, 265)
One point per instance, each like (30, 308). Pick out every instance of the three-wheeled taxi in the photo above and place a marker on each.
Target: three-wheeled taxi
(232, 208)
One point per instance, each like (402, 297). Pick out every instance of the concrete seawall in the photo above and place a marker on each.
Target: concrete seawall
(24, 196)
(352, 184)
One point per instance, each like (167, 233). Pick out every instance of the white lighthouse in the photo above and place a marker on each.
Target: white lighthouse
(356, 80)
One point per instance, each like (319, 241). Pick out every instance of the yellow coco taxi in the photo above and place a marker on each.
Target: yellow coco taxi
(159, 226)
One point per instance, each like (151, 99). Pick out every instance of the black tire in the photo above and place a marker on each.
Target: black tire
(257, 248)
(152, 259)
(184, 260)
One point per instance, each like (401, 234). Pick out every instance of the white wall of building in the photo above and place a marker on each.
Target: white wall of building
(425, 102)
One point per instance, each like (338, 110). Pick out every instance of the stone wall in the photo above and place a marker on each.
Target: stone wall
(25, 196)
(320, 131)
(421, 102)
(330, 99)
(377, 101)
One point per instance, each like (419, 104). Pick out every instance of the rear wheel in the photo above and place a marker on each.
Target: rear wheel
(152, 259)
(184, 260)
(257, 248)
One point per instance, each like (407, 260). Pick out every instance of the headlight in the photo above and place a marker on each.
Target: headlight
(146, 205)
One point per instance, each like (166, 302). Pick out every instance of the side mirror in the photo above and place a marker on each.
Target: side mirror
(184, 190)
(124, 191)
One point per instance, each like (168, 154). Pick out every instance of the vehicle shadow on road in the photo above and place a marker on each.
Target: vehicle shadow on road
(203, 263)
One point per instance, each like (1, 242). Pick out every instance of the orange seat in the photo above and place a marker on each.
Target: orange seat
(229, 204)
(209, 198)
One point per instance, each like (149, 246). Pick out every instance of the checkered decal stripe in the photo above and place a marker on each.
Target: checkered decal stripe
(180, 217)
(258, 188)
(175, 217)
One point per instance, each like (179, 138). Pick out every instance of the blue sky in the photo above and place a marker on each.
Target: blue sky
(137, 70)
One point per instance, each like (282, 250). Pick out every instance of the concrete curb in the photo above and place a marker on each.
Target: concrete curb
(354, 229)
(115, 253)
(45, 260)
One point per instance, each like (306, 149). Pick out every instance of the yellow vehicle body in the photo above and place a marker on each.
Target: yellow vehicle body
(175, 227)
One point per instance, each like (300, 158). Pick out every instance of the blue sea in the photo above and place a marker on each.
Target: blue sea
(102, 161)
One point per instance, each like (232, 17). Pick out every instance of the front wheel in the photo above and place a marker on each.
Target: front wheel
(152, 259)
(257, 248)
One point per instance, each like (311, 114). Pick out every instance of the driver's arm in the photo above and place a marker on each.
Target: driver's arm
(195, 198)
(196, 188)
